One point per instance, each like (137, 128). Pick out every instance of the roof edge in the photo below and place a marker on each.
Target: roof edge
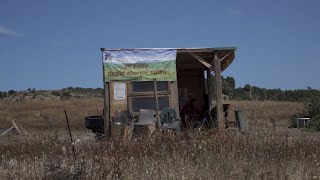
(206, 49)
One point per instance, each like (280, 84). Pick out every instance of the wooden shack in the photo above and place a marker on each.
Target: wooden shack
(194, 67)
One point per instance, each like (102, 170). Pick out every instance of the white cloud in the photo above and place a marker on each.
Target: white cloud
(9, 32)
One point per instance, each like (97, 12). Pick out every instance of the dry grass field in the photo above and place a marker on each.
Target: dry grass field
(269, 151)
(49, 113)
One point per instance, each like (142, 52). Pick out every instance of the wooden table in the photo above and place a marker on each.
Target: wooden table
(301, 122)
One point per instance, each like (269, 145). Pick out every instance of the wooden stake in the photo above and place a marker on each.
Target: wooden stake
(107, 121)
(72, 145)
(16, 127)
(220, 117)
(157, 103)
(7, 131)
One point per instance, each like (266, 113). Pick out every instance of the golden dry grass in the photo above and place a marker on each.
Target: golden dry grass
(192, 155)
(269, 114)
(49, 113)
(269, 151)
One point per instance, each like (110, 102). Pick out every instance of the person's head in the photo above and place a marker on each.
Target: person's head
(192, 101)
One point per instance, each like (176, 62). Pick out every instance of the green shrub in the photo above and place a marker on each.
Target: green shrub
(314, 124)
(56, 93)
(311, 110)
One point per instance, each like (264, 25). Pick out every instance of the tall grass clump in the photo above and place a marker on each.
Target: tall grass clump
(192, 155)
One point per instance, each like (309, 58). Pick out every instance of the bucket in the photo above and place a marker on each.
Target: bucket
(117, 131)
(118, 125)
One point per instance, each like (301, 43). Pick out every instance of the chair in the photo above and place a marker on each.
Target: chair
(168, 118)
(242, 120)
(145, 125)
(146, 117)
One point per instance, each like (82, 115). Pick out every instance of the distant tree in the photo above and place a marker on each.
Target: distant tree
(29, 89)
(65, 95)
(227, 89)
(247, 87)
(56, 93)
(11, 92)
(230, 80)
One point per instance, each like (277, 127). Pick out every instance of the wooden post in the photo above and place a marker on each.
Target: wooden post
(209, 84)
(157, 103)
(217, 71)
(107, 121)
(106, 109)
(175, 97)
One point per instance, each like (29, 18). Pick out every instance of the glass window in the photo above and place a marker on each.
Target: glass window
(149, 103)
(147, 86)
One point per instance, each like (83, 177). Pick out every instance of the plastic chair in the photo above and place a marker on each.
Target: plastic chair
(146, 118)
(168, 118)
(242, 120)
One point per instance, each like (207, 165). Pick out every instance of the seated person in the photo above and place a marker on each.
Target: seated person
(212, 121)
(189, 113)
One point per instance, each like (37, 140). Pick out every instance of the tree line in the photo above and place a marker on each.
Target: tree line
(250, 92)
(247, 92)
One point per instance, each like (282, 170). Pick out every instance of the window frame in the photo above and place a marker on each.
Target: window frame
(146, 94)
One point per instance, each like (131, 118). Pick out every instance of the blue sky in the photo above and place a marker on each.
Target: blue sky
(54, 44)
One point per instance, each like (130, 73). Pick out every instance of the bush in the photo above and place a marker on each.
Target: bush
(314, 124)
(11, 92)
(65, 95)
(312, 110)
(56, 93)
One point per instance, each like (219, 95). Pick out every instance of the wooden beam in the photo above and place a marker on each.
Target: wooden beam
(225, 56)
(175, 97)
(217, 71)
(107, 107)
(157, 103)
(204, 50)
(201, 60)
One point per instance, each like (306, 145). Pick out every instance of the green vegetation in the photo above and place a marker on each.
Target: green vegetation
(3, 94)
(248, 92)
(11, 92)
(80, 90)
(314, 124)
(311, 110)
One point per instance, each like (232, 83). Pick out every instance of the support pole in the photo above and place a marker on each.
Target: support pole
(175, 97)
(106, 109)
(217, 70)
(209, 90)
(107, 122)
(157, 103)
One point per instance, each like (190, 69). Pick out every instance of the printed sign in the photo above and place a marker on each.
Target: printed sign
(140, 65)
(119, 91)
